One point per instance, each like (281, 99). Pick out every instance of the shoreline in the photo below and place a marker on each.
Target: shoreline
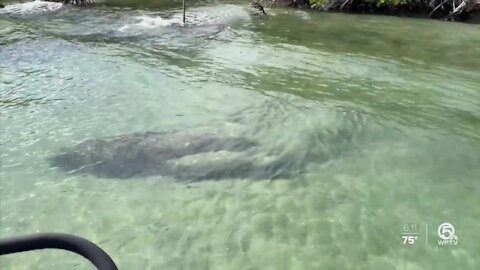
(466, 11)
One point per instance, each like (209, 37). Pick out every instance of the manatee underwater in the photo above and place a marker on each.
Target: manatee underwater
(187, 155)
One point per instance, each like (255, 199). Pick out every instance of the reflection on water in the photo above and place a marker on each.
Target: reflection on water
(387, 110)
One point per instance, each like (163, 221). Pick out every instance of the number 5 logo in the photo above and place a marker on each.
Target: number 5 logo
(446, 231)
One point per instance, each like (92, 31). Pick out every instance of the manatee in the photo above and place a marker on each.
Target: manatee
(225, 164)
(184, 155)
(196, 155)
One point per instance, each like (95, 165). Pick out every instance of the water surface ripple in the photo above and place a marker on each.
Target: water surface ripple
(383, 112)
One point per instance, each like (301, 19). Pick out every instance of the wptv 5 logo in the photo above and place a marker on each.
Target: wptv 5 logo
(447, 235)
(412, 233)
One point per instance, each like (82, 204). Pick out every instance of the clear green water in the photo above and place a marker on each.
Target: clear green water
(408, 90)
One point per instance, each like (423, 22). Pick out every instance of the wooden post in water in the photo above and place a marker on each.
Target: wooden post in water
(183, 11)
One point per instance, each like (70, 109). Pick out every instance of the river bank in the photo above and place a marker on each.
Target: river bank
(456, 10)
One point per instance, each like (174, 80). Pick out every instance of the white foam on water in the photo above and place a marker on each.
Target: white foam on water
(223, 14)
(149, 22)
(302, 15)
(27, 8)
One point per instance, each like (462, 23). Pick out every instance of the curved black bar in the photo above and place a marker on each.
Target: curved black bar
(72, 243)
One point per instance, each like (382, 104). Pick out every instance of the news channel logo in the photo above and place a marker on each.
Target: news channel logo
(446, 233)
(412, 233)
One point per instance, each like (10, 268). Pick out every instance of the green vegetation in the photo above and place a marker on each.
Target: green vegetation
(450, 10)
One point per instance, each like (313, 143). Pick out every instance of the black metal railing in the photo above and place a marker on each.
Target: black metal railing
(69, 242)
